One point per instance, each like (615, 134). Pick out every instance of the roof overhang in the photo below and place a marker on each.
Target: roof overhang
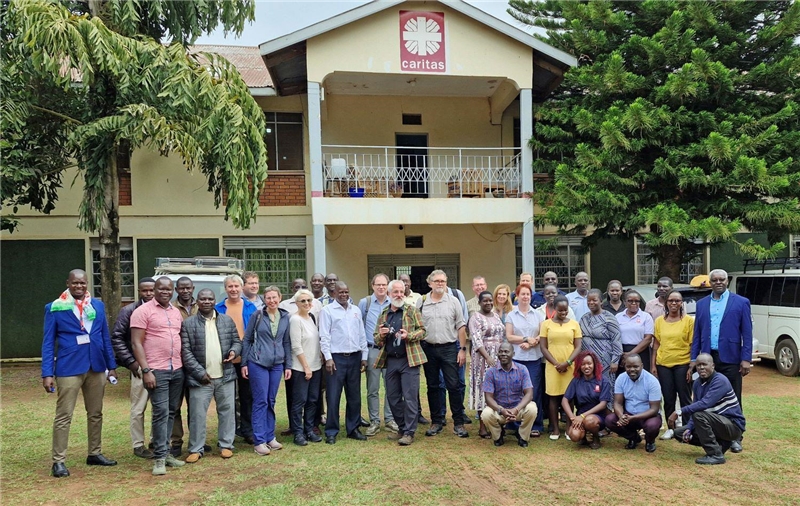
(285, 56)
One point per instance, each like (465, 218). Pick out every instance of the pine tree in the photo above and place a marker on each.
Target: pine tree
(680, 124)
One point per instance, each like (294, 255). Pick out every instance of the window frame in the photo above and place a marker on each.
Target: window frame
(273, 152)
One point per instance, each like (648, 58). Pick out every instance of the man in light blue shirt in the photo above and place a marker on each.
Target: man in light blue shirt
(637, 400)
(344, 346)
(371, 308)
(577, 299)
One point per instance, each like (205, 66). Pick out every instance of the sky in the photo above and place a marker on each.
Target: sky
(275, 18)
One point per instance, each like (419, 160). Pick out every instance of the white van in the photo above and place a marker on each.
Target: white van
(205, 272)
(775, 305)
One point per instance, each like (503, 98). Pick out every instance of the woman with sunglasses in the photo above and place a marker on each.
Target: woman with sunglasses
(636, 328)
(307, 367)
(671, 355)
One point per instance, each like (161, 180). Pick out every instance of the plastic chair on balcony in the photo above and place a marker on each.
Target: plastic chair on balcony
(338, 176)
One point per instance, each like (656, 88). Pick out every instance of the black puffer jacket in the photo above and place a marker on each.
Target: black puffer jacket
(193, 347)
(121, 335)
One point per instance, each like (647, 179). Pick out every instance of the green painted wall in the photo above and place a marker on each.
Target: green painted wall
(147, 250)
(725, 256)
(612, 258)
(33, 274)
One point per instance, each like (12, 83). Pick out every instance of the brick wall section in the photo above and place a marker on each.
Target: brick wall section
(283, 190)
(125, 188)
(280, 190)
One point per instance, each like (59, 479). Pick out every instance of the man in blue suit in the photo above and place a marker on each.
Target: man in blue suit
(76, 352)
(723, 328)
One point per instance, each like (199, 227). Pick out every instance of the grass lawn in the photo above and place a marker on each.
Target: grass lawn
(439, 470)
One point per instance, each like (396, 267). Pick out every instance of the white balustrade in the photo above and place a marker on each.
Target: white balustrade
(390, 171)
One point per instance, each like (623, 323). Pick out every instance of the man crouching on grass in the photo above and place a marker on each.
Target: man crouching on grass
(209, 343)
(716, 418)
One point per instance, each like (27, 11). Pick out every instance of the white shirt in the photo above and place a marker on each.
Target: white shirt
(341, 330)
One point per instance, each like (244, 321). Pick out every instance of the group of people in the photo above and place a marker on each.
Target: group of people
(531, 353)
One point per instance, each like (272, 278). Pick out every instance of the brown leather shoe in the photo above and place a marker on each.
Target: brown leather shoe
(225, 453)
(193, 457)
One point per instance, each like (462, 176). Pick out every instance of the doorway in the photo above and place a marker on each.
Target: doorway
(412, 164)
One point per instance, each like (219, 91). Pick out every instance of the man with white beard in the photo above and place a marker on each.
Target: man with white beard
(398, 333)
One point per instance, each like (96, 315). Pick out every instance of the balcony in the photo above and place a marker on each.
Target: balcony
(420, 172)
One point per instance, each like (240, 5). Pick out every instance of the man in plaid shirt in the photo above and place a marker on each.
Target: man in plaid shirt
(398, 334)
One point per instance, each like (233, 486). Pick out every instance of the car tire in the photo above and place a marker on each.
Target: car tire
(786, 358)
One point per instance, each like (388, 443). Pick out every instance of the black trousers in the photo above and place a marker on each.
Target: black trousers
(347, 376)
(244, 415)
(304, 399)
(289, 385)
(674, 386)
(443, 358)
(402, 393)
(711, 431)
(730, 371)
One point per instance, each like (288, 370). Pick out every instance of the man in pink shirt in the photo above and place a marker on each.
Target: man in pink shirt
(156, 343)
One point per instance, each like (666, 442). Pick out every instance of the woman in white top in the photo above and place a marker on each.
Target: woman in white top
(307, 364)
(522, 330)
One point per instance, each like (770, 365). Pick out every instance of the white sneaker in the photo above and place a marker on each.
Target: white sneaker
(667, 434)
(274, 444)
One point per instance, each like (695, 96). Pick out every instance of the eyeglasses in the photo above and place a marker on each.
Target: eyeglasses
(673, 301)
(304, 301)
(439, 281)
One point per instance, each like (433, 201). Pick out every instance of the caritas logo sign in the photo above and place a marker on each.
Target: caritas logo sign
(422, 42)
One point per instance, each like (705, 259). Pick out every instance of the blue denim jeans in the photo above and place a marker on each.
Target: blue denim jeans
(264, 383)
(165, 399)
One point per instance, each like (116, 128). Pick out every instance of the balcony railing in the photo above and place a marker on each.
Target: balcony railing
(392, 171)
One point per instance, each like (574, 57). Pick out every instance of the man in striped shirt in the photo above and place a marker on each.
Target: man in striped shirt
(716, 418)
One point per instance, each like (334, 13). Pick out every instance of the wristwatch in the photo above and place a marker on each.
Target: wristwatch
(146, 370)
(463, 348)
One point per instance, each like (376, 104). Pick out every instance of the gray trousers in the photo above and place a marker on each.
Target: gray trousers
(373, 390)
(402, 393)
(165, 399)
(199, 399)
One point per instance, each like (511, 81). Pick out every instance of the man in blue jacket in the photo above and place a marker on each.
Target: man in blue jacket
(716, 418)
(723, 328)
(76, 353)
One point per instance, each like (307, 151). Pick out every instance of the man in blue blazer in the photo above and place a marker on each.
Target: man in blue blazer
(723, 328)
(76, 353)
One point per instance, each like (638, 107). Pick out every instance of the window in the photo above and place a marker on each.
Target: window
(127, 279)
(647, 266)
(562, 255)
(284, 140)
(277, 260)
(791, 292)
(794, 246)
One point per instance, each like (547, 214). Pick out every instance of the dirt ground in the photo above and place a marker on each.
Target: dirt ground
(440, 470)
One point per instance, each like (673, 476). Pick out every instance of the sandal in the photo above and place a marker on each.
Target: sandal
(535, 433)
(485, 435)
(554, 437)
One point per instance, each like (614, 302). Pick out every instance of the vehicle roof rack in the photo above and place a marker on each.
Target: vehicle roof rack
(198, 265)
(782, 263)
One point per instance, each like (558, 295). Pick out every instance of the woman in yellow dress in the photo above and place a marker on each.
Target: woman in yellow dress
(560, 342)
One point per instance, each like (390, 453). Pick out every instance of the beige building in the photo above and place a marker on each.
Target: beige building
(398, 141)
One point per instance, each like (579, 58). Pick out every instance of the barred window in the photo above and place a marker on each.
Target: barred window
(127, 278)
(277, 260)
(647, 266)
(562, 255)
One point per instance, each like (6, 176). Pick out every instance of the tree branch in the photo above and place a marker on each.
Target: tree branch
(54, 113)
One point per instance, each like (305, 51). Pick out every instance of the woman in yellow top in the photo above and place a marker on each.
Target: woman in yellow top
(670, 358)
(560, 343)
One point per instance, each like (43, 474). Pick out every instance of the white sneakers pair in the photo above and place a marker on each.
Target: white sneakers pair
(267, 448)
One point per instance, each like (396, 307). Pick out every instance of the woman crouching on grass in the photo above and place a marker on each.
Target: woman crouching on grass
(589, 393)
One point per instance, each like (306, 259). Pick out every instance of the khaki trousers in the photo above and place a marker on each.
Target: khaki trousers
(495, 422)
(139, 397)
(93, 385)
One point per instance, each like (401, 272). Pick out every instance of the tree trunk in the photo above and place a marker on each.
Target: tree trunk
(109, 242)
(669, 262)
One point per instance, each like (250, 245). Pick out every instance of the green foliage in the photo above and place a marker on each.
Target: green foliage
(680, 123)
(75, 90)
